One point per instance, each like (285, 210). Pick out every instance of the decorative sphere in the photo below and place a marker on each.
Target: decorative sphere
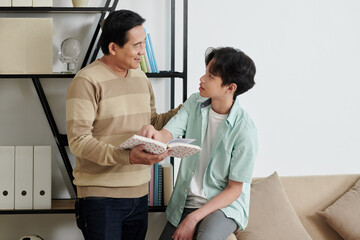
(70, 50)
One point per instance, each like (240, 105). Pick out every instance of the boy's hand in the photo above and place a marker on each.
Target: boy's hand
(186, 229)
(149, 131)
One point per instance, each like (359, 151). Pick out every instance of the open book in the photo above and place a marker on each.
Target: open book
(180, 147)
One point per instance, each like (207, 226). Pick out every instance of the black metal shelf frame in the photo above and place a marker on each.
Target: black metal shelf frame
(61, 139)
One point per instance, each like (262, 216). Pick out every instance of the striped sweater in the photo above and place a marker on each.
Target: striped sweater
(103, 109)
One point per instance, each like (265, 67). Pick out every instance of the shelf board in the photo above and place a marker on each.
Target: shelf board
(46, 75)
(57, 206)
(161, 74)
(62, 206)
(165, 74)
(54, 9)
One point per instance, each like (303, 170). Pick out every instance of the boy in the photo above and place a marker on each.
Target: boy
(212, 192)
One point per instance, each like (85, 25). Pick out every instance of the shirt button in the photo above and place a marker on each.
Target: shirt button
(192, 173)
(186, 191)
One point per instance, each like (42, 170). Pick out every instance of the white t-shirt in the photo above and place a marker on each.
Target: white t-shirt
(196, 197)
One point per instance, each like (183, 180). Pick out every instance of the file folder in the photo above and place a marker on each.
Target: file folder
(22, 3)
(42, 177)
(23, 177)
(7, 177)
(42, 3)
(5, 3)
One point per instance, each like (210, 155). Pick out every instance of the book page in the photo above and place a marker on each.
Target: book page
(181, 140)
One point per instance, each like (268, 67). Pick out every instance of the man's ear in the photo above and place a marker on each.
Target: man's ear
(232, 87)
(112, 48)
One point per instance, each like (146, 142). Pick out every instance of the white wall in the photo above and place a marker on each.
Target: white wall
(304, 102)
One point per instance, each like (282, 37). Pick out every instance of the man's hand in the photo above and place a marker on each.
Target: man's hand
(138, 156)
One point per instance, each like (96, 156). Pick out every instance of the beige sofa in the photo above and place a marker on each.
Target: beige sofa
(307, 195)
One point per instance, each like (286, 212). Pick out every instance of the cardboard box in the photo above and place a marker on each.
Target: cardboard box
(26, 45)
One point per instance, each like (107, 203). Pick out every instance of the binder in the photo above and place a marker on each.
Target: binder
(42, 177)
(23, 177)
(22, 3)
(5, 3)
(42, 3)
(7, 177)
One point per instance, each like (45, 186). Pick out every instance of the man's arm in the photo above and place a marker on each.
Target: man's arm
(186, 228)
(160, 120)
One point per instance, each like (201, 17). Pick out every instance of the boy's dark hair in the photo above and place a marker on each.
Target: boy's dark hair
(233, 66)
(116, 26)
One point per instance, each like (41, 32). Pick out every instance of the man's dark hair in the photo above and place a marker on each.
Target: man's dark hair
(233, 66)
(116, 26)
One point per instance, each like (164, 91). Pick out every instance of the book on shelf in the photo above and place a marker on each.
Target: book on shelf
(160, 187)
(168, 182)
(147, 62)
(151, 187)
(156, 185)
(180, 147)
(143, 64)
(150, 57)
(153, 59)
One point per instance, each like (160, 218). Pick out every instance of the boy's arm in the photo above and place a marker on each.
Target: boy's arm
(186, 228)
(150, 132)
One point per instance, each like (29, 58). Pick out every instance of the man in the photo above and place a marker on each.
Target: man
(107, 102)
(212, 192)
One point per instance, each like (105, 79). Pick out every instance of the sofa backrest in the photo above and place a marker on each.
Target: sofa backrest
(309, 194)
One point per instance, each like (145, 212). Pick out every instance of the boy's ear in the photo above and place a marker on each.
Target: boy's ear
(232, 87)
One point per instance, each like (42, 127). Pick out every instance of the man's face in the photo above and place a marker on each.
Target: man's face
(129, 56)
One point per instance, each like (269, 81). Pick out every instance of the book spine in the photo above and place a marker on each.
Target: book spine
(153, 54)
(160, 196)
(147, 62)
(168, 182)
(151, 187)
(156, 184)
(148, 52)
(143, 64)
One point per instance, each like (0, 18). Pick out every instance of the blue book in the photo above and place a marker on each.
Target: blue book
(156, 184)
(152, 54)
(148, 53)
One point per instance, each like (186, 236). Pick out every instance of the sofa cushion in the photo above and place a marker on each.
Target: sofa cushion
(272, 216)
(344, 214)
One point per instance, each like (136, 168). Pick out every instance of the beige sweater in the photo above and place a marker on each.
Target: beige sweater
(103, 109)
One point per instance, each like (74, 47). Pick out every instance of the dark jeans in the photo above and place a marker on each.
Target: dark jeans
(101, 218)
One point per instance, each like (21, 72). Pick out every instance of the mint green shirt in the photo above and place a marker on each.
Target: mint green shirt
(232, 157)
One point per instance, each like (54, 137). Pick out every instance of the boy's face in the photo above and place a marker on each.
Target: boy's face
(210, 85)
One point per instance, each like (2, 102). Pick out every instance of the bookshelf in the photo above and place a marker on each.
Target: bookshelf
(65, 206)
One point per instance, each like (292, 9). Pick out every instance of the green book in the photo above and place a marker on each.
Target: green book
(143, 64)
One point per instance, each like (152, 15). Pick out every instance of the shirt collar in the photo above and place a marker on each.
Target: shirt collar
(234, 111)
